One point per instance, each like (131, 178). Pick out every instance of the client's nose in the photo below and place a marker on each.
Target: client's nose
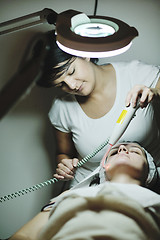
(122, 148)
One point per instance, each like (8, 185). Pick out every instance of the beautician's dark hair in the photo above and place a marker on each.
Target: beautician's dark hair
(55, 56)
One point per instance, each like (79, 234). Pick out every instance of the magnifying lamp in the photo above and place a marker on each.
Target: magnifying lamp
(79, 34)
(93, 36)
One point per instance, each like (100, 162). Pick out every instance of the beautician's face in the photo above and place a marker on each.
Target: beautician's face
(128, 157)
(78, 78)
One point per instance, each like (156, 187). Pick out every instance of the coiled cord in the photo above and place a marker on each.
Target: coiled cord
(52, 180)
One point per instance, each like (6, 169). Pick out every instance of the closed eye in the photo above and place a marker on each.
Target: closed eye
(135, 150)
(72, 72)
(113, 152)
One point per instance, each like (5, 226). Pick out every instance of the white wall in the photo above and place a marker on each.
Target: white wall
(27, 146)
(145, 16)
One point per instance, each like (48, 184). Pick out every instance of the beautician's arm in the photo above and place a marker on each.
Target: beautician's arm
(66, 156)
(146, 94)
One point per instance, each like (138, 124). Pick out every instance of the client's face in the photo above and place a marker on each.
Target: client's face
(127, 158)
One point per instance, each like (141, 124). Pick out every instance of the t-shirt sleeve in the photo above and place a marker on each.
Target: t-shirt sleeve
(145, 74)
(58, 116)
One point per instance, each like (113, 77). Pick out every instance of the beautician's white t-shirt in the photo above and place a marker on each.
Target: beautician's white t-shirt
(67, 116)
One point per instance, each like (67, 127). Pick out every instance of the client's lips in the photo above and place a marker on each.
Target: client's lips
(80, 88)
(123, 155)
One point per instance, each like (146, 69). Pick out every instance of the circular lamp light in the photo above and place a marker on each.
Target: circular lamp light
(93, 36)
(94, 30)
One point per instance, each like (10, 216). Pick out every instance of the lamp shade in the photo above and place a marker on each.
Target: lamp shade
(93, 36)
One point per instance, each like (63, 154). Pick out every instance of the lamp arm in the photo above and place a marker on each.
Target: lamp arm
(14, 25)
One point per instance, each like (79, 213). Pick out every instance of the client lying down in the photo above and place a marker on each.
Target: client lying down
(119, 208)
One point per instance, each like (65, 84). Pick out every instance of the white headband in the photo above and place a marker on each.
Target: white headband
(152, 174)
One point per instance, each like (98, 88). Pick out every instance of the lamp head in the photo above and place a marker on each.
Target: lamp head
(93, 36)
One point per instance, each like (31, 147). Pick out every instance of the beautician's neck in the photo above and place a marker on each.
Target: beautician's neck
(105, 78)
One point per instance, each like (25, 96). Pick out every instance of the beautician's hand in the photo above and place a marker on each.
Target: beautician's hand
(66, 169)
(145, 95)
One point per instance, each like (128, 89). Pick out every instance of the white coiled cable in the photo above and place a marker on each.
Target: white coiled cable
(52, 180)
